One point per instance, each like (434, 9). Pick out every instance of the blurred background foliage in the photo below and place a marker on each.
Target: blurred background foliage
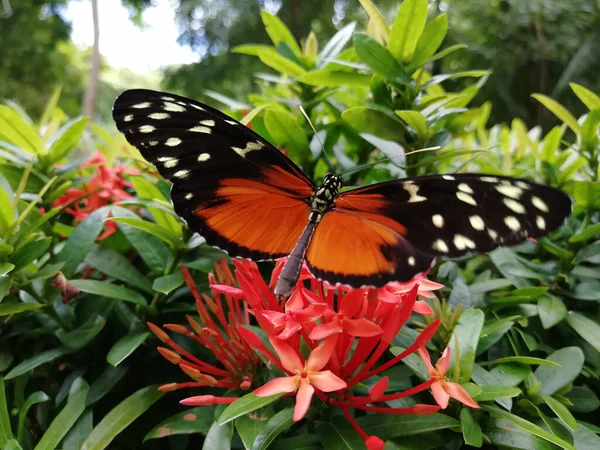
(534, 46)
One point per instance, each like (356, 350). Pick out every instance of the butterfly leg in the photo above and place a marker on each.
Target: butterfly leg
(291, 269)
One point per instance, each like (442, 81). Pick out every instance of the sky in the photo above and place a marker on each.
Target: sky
(123, 44)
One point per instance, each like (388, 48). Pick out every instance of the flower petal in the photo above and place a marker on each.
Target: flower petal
(374, 443)
(321, 355)
(326, 381)
(287, 355)
(424, 354)
(277, 386)
(443, 363)
(303, 398)
(227, 290)
(324, 330)
(384, 295)
(352, 302)
(291, 328)
(440, 395)
(379, 388)
(274, 317)
(313, 312)
(295, 302)
(422, 307)
(361, 328)
(456, 391)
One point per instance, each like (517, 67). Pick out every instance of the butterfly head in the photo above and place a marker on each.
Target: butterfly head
(333, 181)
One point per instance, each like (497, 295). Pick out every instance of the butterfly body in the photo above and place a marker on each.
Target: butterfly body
(247, 198)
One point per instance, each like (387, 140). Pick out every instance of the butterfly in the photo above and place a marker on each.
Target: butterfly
(247, 198)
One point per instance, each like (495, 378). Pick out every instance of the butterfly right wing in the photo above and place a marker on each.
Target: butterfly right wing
(229, 184)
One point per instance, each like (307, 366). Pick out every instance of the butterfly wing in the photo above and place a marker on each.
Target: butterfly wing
(408, 222)
(229, 184)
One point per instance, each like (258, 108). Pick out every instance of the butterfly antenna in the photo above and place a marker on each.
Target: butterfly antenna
(354, 169)
(327, 160)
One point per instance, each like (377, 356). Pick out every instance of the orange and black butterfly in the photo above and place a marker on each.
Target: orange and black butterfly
(247, 198)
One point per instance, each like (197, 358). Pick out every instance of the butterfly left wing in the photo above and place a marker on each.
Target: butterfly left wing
(229, 184)
(411, 221)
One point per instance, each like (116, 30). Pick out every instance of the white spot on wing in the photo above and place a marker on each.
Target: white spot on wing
(411, 261)
(477, 222)
(464, 187)
(208, 123)
(448, 177)
(492, 234)
(172, 142)
(462, 242)
(522, 185)
(250, 146)
(510, 191)
(413, 190)
(489, 179)
(200, 129)
(232, 122)
(158, 116)
(203, 157)
(169, 99)
(197, 107)
(128, 118)
(440, 246)
(514, 205)
(168, 161)
(173, 107)
(512, 223)
(147, 129)
(438, 220)
(463, 196)
(182, 174)
(189, 196)
(143, 105)
(540, 222)
(539, 204)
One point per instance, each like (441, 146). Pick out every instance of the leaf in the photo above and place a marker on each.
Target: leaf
(19, 132)
(250, 425)
(7, 213)
(470, 429)
(491, 392)
(506, 434)
(63, 422)
(117, 266)
(33, 399)
(392, 426)
(583, 399)
(120, 417)
(190, 421)
(81, 241)
(379, 59)
(148, 191)
(521, 360)
(83, 335)
(28, 364)
(104, 383)
(585, 439)
(466, 337)
(253, 49)
(443, 53)
(7, 309)
(589, 253)
(551, 310)
(6, 268)
(66, 138)
(561, 412)
(13, 444)
(416, 121)
(429, 41)
(162, 233)
(285, 131)
(278, 32)
(559, 111)
(366, 120)
(489, 285)
(29, 253)
(407, 29)
(335, 45)
(335, 78)
(339, 434)
(589, 290)
(125, 347)
(484, 378)
(245, 405)
(79, 432)
(588, 233)
(5, 430)
(376, 19)
(168, 283)
(218, 437)
(105, 289)
(587, 328)
(274, 426)
(555, 378)
(281, 64)
(587, 97)
(528, 426)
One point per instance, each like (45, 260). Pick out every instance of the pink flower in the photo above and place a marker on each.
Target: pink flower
(441, 389)
(304, 377)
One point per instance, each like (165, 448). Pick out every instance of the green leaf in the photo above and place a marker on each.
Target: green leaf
(561, 412)
(79, 432)
(339, 434)
(161, 233)
(281, 64)
(470, 429)
(585, 439)
(5, 430)
(104, 383)
(506, 434)
(168, 283)
(6, 268)
(379, 59)
(551, 310)
(555, 378)
(7, 309)
(190, 421)
(7, 213)
(528, 426)
(245, 405)
(48, 271)
(559, 111)
(33, 399)
(28, 364)
(274, 426)
(83, 335)
(589, 130)
(466, 337)
(587, 328)
(335, 78)
(391, 426)
(30, 252)
(13, 444)
(521, 360)
(253, 49)
(489, 285)
(81, 241)
(416, 121)
(66, 138)
(5, 284)
(589, 253)
(376, 21)
(484, 378)
(63, 422)
(285, 131)
(491, 392)
(218, 437)
(588, 233)
(587, 97)
(120, 417)
(431, 39)
(125, 347)
(443, 53)
(366, 120)
(117, 266)
(583, 399)
(589, 290)
(19, 132)
(335, 45)
(250, 425)
(407, 28)
(278, 32)
(148, 191)
(105, 289)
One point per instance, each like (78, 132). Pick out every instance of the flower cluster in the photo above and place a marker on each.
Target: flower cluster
(107, 185)
(327, 342)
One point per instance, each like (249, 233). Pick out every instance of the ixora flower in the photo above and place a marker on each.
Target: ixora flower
(329, 343)
(441, 389)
